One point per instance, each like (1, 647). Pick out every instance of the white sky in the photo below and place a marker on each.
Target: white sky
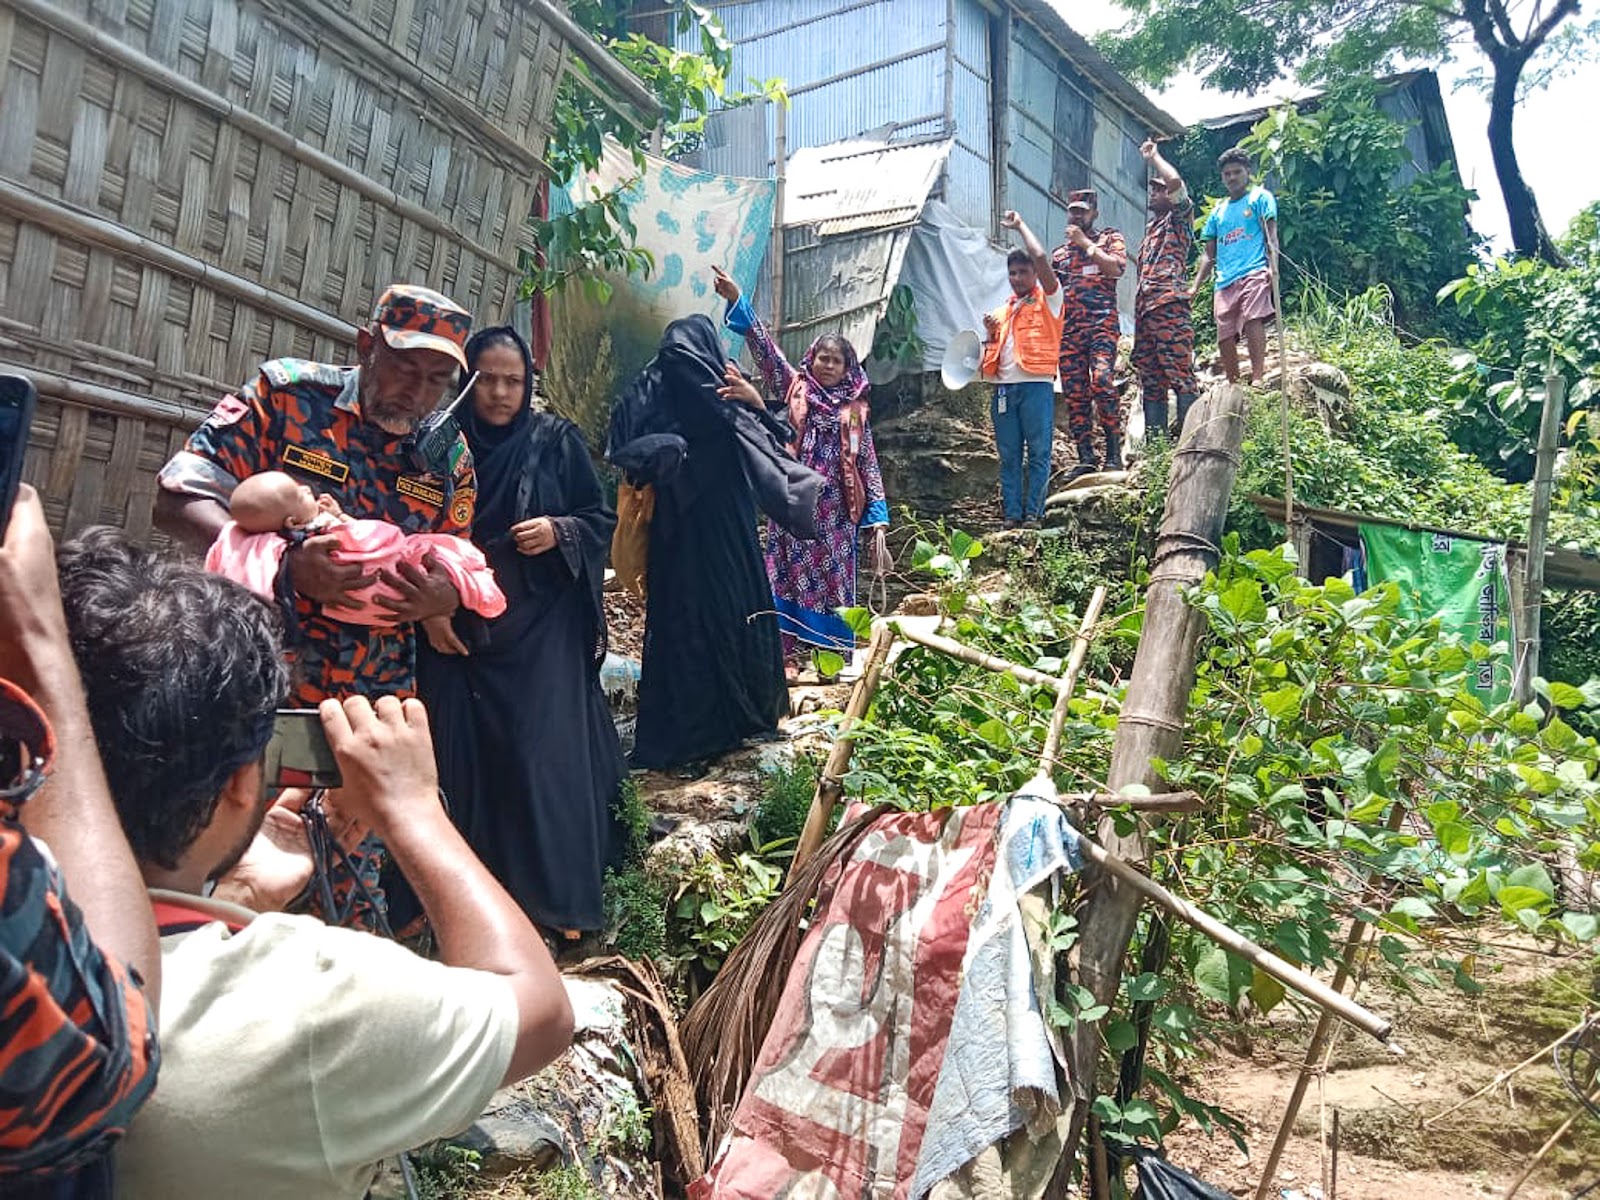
(1558, 159)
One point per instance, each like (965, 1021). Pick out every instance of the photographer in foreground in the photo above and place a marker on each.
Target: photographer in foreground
(297, 1055)
(77, 1038)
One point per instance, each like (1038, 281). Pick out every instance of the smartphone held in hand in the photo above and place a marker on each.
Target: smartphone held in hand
(298, 754)
(17, 402)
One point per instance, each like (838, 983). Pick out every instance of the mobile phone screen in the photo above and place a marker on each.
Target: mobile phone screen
(17, 401)
(298, 754)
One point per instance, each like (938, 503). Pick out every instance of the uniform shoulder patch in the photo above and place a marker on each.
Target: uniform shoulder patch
(289, 372)
(230, 410)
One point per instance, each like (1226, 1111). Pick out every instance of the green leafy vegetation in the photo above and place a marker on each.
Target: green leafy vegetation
(1535, 319)
(597, 237)
(570, 1182)
(635, 901)
(786, 792)
(444, 1171)
(1319, 717)
(1246, 46)
(715, 904)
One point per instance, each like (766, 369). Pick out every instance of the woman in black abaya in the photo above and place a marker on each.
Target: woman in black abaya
(528, 755)
(712, 673)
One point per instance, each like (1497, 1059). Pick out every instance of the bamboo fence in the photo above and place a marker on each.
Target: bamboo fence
(191, 187)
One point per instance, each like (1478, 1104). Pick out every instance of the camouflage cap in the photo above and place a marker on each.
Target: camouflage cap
(419, 318)
(1083, 198)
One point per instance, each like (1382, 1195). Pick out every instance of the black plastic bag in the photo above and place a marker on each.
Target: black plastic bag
(1160, 1180)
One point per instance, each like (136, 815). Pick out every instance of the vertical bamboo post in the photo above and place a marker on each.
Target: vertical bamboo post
(830, 783)
(780, 163)
(1526, 663)
(1283, 391)
(1151, 726)
(1319, 1036)
(1069, 678)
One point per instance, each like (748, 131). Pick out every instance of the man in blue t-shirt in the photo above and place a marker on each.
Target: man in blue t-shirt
(1241, 243)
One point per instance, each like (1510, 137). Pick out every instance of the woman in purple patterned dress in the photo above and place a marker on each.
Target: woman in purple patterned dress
(826, 399)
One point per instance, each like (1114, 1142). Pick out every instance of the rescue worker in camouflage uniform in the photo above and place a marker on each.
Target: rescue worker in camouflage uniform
(1088, 263)
(1163, 330)
(348, 432)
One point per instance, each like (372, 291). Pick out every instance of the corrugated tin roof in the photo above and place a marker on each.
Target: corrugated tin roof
(1091, 63)
(848, 211)
(1308, 97)
(861, 183)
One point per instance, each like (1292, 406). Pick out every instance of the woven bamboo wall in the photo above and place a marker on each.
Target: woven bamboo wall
(190, 187)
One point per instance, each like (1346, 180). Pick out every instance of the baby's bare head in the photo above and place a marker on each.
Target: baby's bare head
(272, 501)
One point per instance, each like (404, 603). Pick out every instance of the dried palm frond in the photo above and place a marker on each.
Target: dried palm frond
(723, 1031)
(659, 1051)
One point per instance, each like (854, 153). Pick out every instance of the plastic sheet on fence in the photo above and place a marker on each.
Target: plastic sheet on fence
(688, 220)
(1460, 580)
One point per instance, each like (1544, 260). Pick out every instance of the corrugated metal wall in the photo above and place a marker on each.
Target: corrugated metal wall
(969, 187)
(849, 67)
(1066, 135)
(857, 65)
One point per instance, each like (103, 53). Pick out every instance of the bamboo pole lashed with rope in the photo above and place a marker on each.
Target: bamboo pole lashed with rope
(830, 783)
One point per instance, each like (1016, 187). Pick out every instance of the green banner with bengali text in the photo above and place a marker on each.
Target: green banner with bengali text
(1462, 581)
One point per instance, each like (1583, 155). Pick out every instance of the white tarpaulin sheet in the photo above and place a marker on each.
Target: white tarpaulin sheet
(955, 275)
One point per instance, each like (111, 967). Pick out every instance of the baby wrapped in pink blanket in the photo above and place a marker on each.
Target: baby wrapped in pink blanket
(250, 548)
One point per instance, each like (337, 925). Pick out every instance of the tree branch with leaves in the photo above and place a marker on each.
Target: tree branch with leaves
(1247, 45)
(596, 237)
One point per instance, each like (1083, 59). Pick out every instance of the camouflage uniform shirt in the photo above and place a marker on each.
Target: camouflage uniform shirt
(77, 1045)
(305, 419)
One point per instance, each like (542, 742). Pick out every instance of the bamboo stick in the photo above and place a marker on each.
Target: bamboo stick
(1285, 973)
(1297, 1095)
(1069, 677)
(1159, 802)
(1526, 664)
(830, 784)
(1503, 1077)
(1152, 721)
(1283, 395)
(976, 658)
(1550, 1145)
(1352, 946)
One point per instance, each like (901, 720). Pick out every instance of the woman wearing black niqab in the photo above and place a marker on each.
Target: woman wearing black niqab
(712, 673)
(528, 754)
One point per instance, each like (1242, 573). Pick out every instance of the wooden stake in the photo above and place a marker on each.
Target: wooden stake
(1154, 709)
(1526, 662)
(1333, 1159)
(1283, 393)
(1308, 1067)
(830, 784)
(1069, 678)
(1550, 1145)
(1319, 1037)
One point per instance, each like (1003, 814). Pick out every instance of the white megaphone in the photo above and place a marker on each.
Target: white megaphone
(961, 359)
